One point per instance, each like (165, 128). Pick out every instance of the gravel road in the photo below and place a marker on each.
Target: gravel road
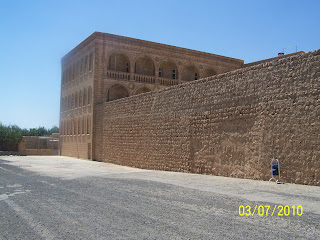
(53, 197)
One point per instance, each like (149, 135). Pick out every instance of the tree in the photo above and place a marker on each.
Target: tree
(10, 133)
(13, 133)
(54, 129)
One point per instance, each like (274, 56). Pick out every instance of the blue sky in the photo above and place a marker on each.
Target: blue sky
(35, 35)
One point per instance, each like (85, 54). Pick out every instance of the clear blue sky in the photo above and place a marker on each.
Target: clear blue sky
(35, 35)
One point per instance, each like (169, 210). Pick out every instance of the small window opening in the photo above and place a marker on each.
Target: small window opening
(173, 74)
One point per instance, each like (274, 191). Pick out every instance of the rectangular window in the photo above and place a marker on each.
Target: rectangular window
(127, 67)
(160, 72)
(196, 76)
(173, 74)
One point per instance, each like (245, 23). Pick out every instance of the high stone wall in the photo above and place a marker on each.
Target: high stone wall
(231, 124)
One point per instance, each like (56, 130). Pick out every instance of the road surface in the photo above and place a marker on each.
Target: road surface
(53, 197)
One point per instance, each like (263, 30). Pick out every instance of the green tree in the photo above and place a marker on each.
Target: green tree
(10, 133)
(54, 129)
(13, 133)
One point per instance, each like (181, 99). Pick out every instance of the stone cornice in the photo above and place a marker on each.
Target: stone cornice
(80, 46)
(148, 44)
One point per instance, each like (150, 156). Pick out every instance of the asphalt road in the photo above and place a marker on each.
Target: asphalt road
(67, 198)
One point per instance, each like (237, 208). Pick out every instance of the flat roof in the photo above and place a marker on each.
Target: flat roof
(144, 43)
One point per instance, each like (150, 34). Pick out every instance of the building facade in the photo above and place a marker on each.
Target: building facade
(106, 67)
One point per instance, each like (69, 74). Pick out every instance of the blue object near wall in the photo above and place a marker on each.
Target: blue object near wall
(275, 169)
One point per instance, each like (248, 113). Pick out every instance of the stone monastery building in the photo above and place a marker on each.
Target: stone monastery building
(106, 67)
(154, 106)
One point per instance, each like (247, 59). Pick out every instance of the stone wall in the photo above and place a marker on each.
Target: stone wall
(74, 148)
(39, 145)
(231, 124)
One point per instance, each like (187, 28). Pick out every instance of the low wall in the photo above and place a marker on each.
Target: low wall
(40, 152)
(231, 124)
(38, 145)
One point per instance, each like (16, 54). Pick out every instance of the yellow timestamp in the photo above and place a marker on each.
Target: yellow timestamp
(267, 210)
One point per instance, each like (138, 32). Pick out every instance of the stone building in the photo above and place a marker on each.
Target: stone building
(106, 67)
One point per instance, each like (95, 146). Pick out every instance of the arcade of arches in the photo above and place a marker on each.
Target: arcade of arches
(144, 65)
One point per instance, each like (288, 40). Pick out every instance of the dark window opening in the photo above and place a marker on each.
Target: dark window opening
(173, 74)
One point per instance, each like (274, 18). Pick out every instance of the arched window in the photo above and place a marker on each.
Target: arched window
(86, 64)
(76, 100)
(84, 97)
(81, 67)
(83, 125)
(117, 91)
(72, 102)
(61, 105)
(80, 99)
(209, 72)
(69, 74)
(75, 126)
(69, 103)
(89, 95)
(73, 71)
(145, 66)
(79, 126)
(88, 124)
(90, 61)
(77, 69)
(64, 77)
(168, 69)
(61, 127)
(190, 73)
(119, 62)
(143, 89)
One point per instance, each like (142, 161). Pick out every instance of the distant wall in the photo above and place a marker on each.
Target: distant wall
(231, 124)
(8, 146)
(38, 145)
(40, 152)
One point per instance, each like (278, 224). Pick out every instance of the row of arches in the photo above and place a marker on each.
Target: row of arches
(118, 91)
(76, 126)
(78, 99)
(78, 69)
(144, 65)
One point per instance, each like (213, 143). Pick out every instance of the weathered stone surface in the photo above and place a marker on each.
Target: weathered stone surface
(231, 124)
